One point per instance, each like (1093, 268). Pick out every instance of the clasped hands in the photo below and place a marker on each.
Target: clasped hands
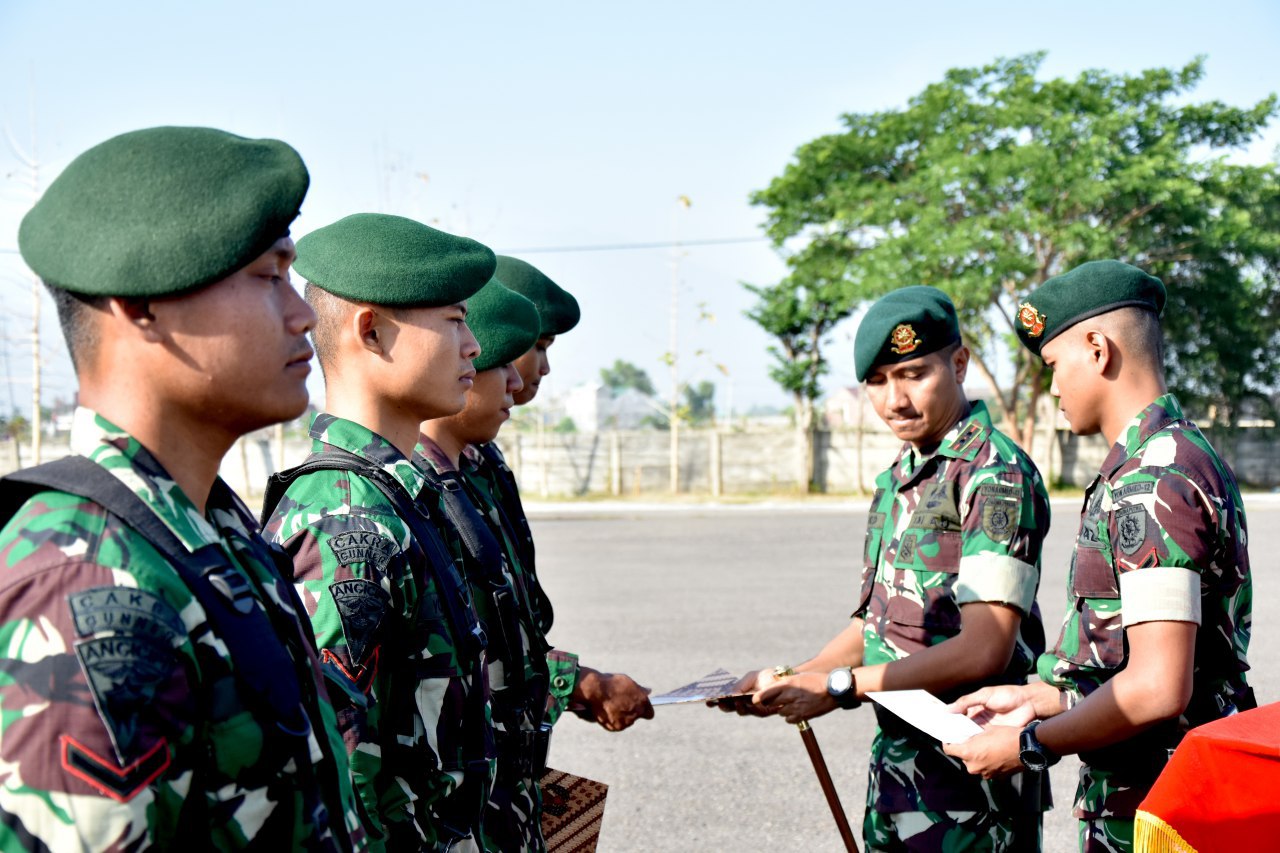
(795, 698)
(1002, 711)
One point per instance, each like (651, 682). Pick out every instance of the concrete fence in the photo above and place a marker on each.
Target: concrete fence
(711, 462)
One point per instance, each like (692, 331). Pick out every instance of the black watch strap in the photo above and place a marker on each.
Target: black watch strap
(1034, 755)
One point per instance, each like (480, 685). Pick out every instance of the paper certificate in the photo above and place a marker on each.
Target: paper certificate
(714, 685)
(927, 713)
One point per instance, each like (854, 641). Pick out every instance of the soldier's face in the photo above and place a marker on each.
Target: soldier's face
(237, 352)
(922, 398)
(532, 366)
(1075, 380)
(488, 405)
(429, 354)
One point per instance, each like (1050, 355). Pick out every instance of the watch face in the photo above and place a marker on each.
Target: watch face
(839, 681)
(1032, 760)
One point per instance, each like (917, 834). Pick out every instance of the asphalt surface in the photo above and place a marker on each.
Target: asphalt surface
(670, 594)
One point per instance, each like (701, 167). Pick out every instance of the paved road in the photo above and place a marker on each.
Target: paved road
(670, 595)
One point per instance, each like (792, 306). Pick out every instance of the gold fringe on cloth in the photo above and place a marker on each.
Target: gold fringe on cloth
(1153, 835)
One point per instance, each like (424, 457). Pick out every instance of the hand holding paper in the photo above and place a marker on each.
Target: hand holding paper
(927, 713)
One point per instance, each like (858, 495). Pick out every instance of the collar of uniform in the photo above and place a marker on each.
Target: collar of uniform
(368, 445)
(1163, 411)
(431, 456)
(961, 442)
(100, 440)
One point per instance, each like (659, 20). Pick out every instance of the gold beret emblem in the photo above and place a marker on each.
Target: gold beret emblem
(904, 339)
(1031, 320)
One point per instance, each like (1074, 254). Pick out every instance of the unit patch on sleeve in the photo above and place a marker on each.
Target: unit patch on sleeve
(124, 674)
(362, 606)
(362, 546)
(999, 518)
(124, 609)
(1131, 525)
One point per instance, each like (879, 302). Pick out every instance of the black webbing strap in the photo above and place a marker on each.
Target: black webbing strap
(453, 590)
(482, 543)
(255, 645)
(511, 508)
(460, 812)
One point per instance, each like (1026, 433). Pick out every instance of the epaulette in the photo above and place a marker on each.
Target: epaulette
(966, 444)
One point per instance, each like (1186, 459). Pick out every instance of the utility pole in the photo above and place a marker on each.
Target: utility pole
(32, 165)
(673, 356)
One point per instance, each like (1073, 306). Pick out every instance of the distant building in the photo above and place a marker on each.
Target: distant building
(594, 408)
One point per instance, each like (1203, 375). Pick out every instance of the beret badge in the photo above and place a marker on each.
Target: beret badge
(904, 339)
(1031, 320)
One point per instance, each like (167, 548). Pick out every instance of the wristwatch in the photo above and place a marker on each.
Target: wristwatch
(1034, 755)
(840, 687)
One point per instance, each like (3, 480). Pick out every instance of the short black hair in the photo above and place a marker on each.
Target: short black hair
(78, 330)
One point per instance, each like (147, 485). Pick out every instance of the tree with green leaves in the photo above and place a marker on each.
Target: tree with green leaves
(699, 403)
(992, 180)
(623, 375)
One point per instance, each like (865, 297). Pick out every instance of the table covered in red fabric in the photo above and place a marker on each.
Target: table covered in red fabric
(1220, 791)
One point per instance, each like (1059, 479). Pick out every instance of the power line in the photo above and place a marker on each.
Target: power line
(619, 247)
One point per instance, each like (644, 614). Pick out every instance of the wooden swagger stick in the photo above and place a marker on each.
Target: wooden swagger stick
(824, 775)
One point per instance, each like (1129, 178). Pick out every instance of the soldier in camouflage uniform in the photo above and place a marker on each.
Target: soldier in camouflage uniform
(612, 699)
(532, 683)
(1158, 622)
(950, 571)
(159, 685)
(376, 562)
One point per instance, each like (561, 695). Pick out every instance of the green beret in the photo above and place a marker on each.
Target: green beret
(390, 260)
(1086, 291)
(504, 322)
(556, 306)
(159, 211)
(908, 323)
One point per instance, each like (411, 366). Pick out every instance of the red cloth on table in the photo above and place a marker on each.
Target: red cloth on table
(1221, 790)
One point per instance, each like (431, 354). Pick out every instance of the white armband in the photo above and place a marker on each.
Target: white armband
(1159, 594)
(998, 579)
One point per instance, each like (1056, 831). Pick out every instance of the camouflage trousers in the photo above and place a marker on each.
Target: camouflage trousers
(950, 832)
(1106, 835)
(513, 817)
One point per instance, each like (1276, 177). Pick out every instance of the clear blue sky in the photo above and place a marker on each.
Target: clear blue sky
(557, 124)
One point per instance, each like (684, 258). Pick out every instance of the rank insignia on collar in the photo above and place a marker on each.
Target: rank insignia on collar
(1031, 320)
(904, 339)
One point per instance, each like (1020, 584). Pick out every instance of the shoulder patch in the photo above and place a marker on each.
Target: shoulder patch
(999, 490)
(124, 610)
(1145, 487)
(999, 518)
(362, 607)
(1131, 524)
(362, 546)
(124, 674)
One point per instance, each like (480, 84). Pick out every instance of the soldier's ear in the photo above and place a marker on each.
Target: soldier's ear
(1100, 351)
(367, 325)
(135, 313)
(960, 362)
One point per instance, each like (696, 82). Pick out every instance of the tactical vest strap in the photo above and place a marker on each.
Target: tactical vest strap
(224, 591)
(460, 813)
(457, 602)
(511, 508)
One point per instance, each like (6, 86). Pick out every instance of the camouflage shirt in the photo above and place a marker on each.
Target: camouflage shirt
(518, 672)
(127, 719)
(494, 482)
(1163, 501)
(421, 751)
(963, 523)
